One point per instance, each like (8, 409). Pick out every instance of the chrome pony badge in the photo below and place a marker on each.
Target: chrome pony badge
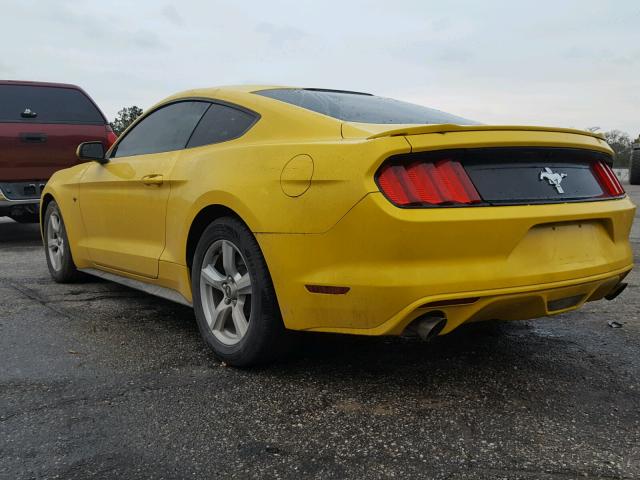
(553, 178)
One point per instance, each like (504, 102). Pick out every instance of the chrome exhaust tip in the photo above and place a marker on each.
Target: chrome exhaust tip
(617, 290)
(428, 325)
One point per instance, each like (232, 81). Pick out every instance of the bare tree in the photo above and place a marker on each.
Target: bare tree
(621, 144)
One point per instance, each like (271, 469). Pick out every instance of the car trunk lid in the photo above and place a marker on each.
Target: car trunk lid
(506, 165)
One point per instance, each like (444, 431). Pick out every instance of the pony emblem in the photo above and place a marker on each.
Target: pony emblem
(553, 178)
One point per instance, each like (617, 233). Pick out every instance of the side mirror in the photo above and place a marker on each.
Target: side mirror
(91, 151)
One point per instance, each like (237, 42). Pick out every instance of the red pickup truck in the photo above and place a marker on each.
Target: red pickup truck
(41, 125)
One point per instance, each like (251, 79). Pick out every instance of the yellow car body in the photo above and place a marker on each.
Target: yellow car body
(304, 184)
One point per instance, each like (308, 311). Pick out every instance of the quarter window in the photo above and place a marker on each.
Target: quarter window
(164, 130)
(219, 124)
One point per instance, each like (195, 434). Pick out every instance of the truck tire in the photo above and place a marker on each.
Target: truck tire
(634, 166)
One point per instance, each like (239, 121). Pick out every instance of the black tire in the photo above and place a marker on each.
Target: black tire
(634, 167)
(26, 218)
(266, 338)
(64, 269)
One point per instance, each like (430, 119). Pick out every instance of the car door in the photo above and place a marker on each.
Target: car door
(123, 202)
(40, 127)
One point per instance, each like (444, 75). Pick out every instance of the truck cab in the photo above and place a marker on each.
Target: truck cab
(41, 125)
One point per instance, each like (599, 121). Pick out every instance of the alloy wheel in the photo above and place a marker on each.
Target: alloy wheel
(55, 241)
(225, 292)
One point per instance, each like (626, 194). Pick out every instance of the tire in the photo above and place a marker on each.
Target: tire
(56, 246)
(233, 297)
(634, 167)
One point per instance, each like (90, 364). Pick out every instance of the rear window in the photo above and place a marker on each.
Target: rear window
(362, 107)
(34, 104)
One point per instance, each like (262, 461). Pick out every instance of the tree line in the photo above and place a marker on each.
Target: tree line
(620, 142)
(622, 145)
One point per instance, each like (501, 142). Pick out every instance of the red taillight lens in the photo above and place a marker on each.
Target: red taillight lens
(111, 137)
(431, 183)
(608, 180)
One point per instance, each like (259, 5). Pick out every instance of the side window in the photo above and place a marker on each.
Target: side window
(164, 130)
(219, 124)
(40, 104)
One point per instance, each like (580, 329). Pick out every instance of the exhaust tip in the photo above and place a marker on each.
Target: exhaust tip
(617, 290)
(427, 326)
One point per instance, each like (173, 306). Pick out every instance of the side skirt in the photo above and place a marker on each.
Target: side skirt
(156, 290)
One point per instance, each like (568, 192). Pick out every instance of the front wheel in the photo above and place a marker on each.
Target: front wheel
(233, 296)
(56, 245)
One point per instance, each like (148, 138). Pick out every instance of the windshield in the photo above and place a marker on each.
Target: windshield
(362, 107)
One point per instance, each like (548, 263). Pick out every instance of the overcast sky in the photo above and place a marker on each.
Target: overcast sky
(565, 63)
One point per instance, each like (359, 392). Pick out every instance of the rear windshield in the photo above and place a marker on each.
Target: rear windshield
(362, 107)
(35, 104)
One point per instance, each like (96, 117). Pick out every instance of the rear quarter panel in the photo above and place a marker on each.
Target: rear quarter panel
(245, 176)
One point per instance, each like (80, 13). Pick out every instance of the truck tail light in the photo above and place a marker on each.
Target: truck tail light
(111, 137)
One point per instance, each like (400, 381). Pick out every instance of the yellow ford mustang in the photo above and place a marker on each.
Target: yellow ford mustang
(272, 209)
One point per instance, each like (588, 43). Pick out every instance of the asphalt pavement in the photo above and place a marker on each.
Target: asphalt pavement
(101, 381)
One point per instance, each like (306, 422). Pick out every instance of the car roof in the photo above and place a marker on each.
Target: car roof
(39, 84)
(244, 96)
(222, 91)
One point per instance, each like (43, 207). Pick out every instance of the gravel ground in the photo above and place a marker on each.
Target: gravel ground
(100, 381)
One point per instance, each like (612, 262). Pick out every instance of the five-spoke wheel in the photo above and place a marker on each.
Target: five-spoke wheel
(233, 296)
(225, 292)
(55, 241)
(57, 249)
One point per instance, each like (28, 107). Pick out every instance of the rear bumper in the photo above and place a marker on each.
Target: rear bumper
(519, 303)
(514, 260)
(6, 203)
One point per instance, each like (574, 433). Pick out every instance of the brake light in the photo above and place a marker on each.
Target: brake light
(111, 137)
(427, 183)
(608, 180)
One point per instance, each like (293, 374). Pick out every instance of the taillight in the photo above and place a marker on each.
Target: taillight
(427, 183)
(608, 180)
(111, 137)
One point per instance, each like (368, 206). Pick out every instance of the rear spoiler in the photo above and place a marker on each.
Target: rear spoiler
(445, 128)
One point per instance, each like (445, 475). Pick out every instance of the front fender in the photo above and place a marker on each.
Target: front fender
(63, 188)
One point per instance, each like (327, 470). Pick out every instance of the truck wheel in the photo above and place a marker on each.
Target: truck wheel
(634, 167)
(57, 250)
(233, 296)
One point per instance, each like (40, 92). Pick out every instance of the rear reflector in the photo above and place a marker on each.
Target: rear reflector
(327, 289)
(608, 180)
(427, 183)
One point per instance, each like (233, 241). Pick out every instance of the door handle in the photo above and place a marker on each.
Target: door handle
(28, 137)
(153, 179)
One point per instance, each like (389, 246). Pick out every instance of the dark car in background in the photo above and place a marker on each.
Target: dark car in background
(41, 125)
